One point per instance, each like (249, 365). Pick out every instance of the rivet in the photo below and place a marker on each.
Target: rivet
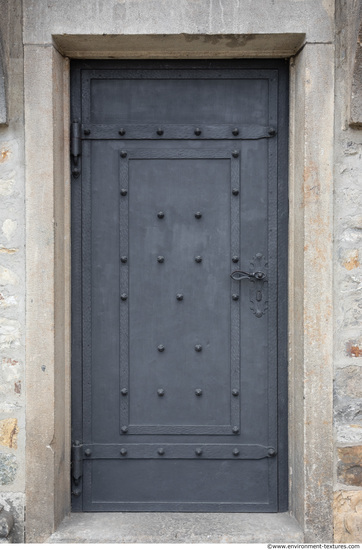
(160, 132)
(161, 348)
(235, 429)
(124, 259)
(235, 392)
(76, 492)
(198, 215)
(271, 451)
(124, 429)
(235, 192)
(198, 452)
(198, 347)
(161, 392)
(272, 132)
(198, 259)
(123, 452)
(123, 192)
(198, 392)
(123, 154)
(179, 297)
(122, 131)
(161, 451)
(236, 452)
(160, 259)
(124, 297)
(235, 259)
(235, 154)
(197, 132)
(87, 452)
(236, 132)
(259, 256)
(124, 391)
(161, 215)
(87, 132)
(235, 297)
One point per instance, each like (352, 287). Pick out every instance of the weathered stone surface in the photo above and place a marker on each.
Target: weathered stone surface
(7, 277)
(350, 258)
(6, 522)
(348, 381)
(349, 466)
(14, 503)
(348, 517)
(177, 528)
(9, 333)
(8, 432)
(8, 468)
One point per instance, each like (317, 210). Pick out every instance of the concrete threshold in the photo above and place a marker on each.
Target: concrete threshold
(166, 527)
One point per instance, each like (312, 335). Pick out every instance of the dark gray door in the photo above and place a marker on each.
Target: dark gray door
(179, 286)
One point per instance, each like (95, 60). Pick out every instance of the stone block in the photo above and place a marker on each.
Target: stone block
(8, 468)
(349, 466)
(348, 382)
(347, 517)
(8, 432)
(6, 523)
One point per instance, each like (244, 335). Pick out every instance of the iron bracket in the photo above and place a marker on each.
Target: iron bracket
(77, 467)
(75, 147)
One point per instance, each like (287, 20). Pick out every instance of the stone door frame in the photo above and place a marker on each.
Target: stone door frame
(48, 238)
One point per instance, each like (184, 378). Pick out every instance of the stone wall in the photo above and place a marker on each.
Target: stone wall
(12, 272)
(100, 22)
(347, 286)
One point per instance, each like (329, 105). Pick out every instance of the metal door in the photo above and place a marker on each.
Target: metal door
(179, 208)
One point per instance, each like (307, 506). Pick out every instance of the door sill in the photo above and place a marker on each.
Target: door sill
(175, 527)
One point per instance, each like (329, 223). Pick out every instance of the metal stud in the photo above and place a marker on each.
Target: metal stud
(236, 132)
(236, 452)
(124, 297)
(161, 348)
(235, 392)
(235, 297)
(272, 132)
(87, 132)
(198, 259)
(271, 451)
(198, 347)
(124, 259)
(123, 192)
(198, 451)
(236, 429)
(123, 154)
(235, 154)
(160, 132)
(122, 131)
(87, 452)
(124, 429)
(161, 215)
(198, 215)
(124, 391)
(197, 132)
(235, 192)
(161, 451)
(235, 259)
(76, 492)
(198, 392)
(123, 452)
(160, 259)
(179, 297)
(161, 392)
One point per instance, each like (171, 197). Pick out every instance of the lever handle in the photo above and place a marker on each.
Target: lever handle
(238, 275)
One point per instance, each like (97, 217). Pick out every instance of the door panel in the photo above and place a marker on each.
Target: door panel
(179, 369)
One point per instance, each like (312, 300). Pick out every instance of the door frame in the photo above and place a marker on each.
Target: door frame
(310, 279)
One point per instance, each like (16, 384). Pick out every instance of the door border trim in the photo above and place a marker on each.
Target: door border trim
(46, 74)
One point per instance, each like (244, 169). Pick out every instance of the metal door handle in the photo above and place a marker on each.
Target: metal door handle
(238, 275)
